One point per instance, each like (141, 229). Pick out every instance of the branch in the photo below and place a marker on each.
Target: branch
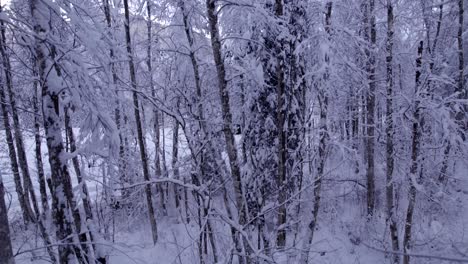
(416, 255)
(193, 187)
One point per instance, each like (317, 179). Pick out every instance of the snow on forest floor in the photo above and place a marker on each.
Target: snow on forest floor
(343, 236)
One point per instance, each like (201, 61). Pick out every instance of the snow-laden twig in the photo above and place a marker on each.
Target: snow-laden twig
(193, 187)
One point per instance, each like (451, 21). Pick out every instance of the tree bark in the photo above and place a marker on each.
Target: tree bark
(62, 195)
(141, 139)
(371, 33)
(38, 147)
(22, 160)
(226, 112)
(156, 125)
(461, 89)
(415, 152)
(282, 141)
(390, 131)
(24, 204)
(76, 165)
(22, 189)
(175, 160)
(6, 250)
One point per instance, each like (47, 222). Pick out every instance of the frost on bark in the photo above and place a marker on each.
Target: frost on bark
(415, 153)
(139, 126)
(38, 142)
(390, 132)
(62, 193)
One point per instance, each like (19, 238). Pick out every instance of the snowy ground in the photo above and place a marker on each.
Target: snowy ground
(343, 236)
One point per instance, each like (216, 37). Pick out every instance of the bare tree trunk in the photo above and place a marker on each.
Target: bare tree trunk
(6, 250)
(389, 130)
(371, 67)
(282, 148)
(38, 147)
(84, 189)
(76, 166)
(461, 89)
(24, 204)
(156, 125)
(40, 171)
(322, 155)
(296, 134)
(62, 195)
(141, 139)
(226, 112)
(162, 187)
(175, 160)
(234, 235)
(35, 216)
(21, 188)
(415, 152)
(22, 160)
(196, 71)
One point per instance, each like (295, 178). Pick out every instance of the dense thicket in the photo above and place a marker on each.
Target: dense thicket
(255, 130)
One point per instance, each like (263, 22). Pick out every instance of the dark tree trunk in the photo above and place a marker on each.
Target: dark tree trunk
(415, 153)
(282, 140)
(38, 147)
(389, 130)
(226, 113)
(6, 250)
(141, 139)
(371, 34)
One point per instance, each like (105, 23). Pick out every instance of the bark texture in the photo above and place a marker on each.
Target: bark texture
(390, 131)
(141, 139)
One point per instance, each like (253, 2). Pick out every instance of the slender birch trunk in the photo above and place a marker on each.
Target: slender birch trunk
(156, 125)
(24, 204)
(38, 147)
(18, 135)
(141, 139)
(226, 112)
(16, 164)
(175, 160)
(62, 195)
(76, 165)
(415, 152)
